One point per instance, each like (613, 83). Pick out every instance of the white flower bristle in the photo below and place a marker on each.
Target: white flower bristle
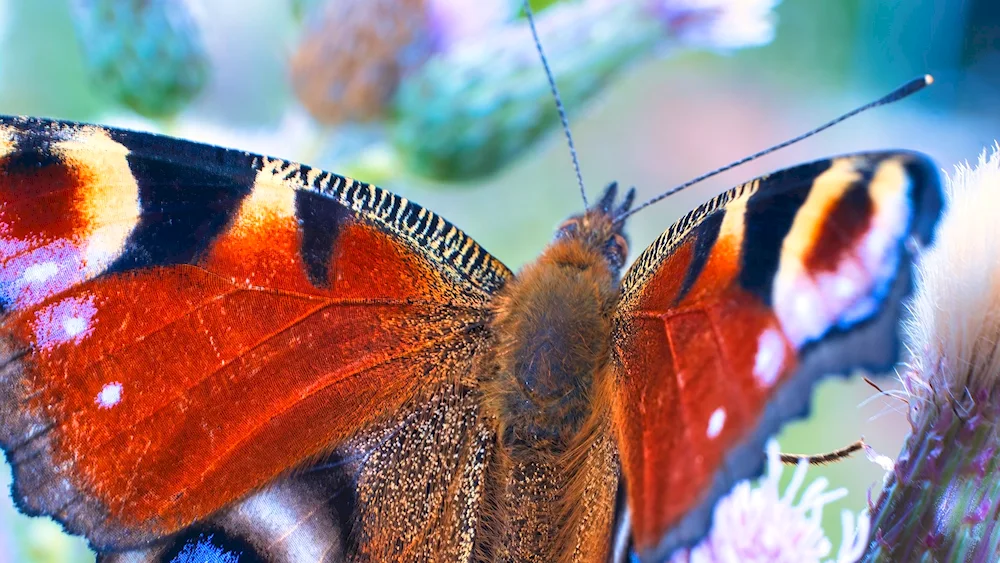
(956, 308)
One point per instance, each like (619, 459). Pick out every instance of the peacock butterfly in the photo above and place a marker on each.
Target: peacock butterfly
(209, 353)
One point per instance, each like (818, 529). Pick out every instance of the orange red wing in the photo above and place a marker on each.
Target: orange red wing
(732, 314)
(183, 323)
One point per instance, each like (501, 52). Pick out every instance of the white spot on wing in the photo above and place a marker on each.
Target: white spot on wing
(40, 272)
(74, 326)
(716, 421)
(32, 276)
(67, 321)
(770, 357)
(110, 395)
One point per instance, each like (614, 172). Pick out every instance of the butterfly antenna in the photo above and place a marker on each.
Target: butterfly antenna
(903, 91)
(559, 105)
(824, 458)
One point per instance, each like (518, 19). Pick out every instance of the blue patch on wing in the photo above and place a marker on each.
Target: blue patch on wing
(205, 550)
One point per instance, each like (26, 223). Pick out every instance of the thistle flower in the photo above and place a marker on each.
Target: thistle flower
(471, 109)
(942, 500)
(349, 61)
(760, 524)
(146, 55)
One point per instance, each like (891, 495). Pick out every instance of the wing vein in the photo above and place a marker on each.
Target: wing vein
(353, 372)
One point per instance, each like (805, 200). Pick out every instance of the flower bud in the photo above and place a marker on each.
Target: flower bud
(145, 54)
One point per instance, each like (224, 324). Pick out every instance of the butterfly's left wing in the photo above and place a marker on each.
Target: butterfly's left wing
(731, 315)
(181, 325)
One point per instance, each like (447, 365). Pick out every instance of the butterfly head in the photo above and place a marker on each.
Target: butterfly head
(599, 227)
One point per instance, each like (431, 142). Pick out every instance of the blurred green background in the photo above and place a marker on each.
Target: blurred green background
(661, 122)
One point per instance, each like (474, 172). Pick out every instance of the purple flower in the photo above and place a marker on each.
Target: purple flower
(760, 524)
(718, 24)
(453, 21)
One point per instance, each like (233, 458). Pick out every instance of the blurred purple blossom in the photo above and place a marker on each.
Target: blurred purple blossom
(718, 24)
(760, 524)
(451, 22)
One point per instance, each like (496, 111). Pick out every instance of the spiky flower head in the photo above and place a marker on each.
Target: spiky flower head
(144, 54)
(942, 500)
(758, 524)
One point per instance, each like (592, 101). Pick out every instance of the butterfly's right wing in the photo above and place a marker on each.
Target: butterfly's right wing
(732, 314)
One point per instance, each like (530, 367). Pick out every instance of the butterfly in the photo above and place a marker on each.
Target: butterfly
(208, 352)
